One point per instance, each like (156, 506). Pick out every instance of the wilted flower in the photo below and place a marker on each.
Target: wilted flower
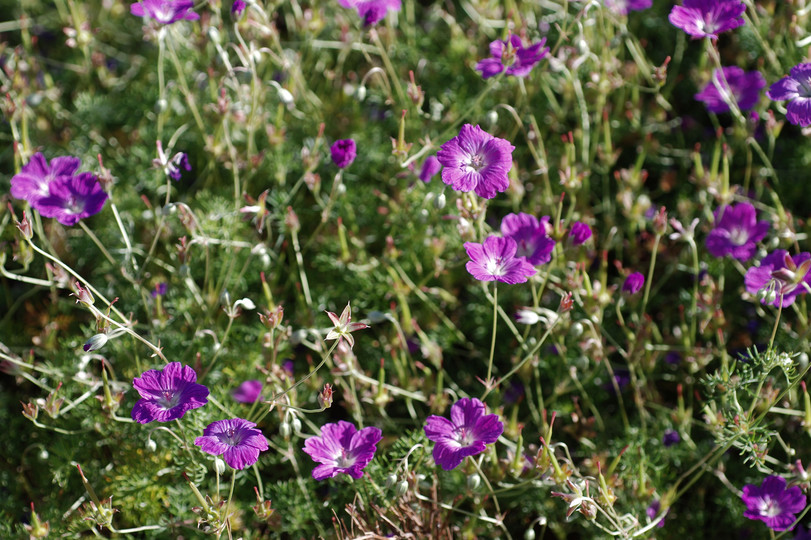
(341, 448)
(465, 434)
(236, 439)
(530, 234)
(784, 275)
(167, 394)
(707, 18)
(670, 438)
(371, 11)
(732, 84)
(165, 11)
(343, 152)
(476, 161)
(495, 260)
(736, 232)
(511, 57)
(797, 89)
(772, 503)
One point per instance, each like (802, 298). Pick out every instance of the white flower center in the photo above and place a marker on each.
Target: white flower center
(494, 266)
(343, 460)
(474, 163)
(738, 236)
(805, 87)
(169, 399)
(463, 436)
(769, 507)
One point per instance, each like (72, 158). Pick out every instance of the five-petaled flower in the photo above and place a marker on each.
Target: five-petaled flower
(165, 11)
(495, 260)
(772, 503)
(341, 448)
(167, 394)
(707, 18)
(797, 89)
(476, 161)
(236, 439)
(466, 434)
(779, 277)
(736, 232)
(343, 326)
(171, 166)
(372, 11)
(531, 235)
(511, 57)
(732, 85)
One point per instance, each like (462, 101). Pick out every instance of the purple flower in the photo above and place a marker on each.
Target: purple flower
(238, 7)
(802, 533)
(633, 283)
(343, 152)
(624, 7)
(247, 392)
(653, 510)
(511, 57)
(796, 88)
(742, 87)
(670, 438)
(371, 11)
(165, 11)
(580, 233)
(707, 18)
(236, 439)
(772, 503)
(33, 181)
(160, 289)
(465, 434)
(167, 394)
(475, 160)
(72, 198)
(171, 166)
(430, 167)
(496, 260)
(737, 232)
(779, 276)
(341, 448)
(531, 236)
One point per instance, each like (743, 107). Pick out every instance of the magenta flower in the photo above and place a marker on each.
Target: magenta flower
(707, 18)
(341, 448)
(624, 7)
(737, 232)
(530, 235)
(495, 260)
(772, 503)
(165, 11)
(247, 392)
(238, 7)
(633, 283)
(742, 87)
(465, 434)
(580, 233)
(33, 181)
(511, 57)
(779, 276)
(343, 152)
(475, 160)
(797, 89)
(236, 439)
(430, 167)
(167, 394)
(371, 11)
(72, 198)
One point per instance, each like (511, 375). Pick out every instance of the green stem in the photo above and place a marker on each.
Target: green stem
(493, 339)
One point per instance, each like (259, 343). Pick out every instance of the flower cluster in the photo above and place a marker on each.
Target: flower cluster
(56, 191)
(772, 503)
(707, 18)
(476, 161)
(511, 57)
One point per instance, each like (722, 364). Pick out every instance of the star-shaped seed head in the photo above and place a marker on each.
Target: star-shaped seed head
(343, 326)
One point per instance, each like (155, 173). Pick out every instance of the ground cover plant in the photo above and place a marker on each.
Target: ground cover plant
(411, 269)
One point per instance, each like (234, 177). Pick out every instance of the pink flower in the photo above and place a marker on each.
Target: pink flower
(476, 161)
(341, 448)
(237, 440)
(511, 57)
(466, 434)
(772, 503)
(371, 11)
(495, 260)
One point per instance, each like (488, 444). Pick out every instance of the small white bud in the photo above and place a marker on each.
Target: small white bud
(440, 201)
(576, 329)
(151, 445)
(219, 465)
(245, 303)
(296, 425)
(95, 343)
(473, 481)
(360, 93)
(284, 430)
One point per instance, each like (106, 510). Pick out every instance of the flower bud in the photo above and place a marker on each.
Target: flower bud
(284, 430)
(95, 343)
(151, 445)
(401, 488)
(296, 425)
(440, 201)
(473, 482)
(325, 397)
(219, 465)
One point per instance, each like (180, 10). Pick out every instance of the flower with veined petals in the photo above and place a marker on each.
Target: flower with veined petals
(33, 181)
(780, 274)
(236, 439)
(736, 232)
(343, 326)
(165, 11)
(341, 448)
(476, 161)
(511, 57)
(466, 434)
(772, 503)
(372, 11)
(707, 18)
(797, 89)
(167, 394)
(530, 234)
(495, 260)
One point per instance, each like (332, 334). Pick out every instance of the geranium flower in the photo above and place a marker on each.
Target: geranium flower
(531, 236)
(466, 434)
(772, 503)
(633, 283)
(624, 7)
(737, 232)
(707, 18)
(165, 11)
(343, 152)
(476, 161)
(344, 326)
(33, 181)
(167, 394)
(779, 277)
(236, 439)
(579, 233)
(495, 260)
(511, 57)
(796, 88)
(247, 392)
(430, 167)
(371, 11)
(742, 87)
(341, 448)
(72, 198)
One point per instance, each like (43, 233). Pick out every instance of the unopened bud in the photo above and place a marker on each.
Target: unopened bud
(219, 465)
(767, 295)
(401, 488)
(296, 425)
(25, 227)
(473, 482)
(95, 343)
(151, 445)
(325, 397)
(284, 430)
(440, 201)
(83, 295)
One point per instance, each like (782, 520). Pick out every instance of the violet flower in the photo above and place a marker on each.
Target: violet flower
(624, 7)
(531, 236)
(72, 198)
(475, 160)
(165, 11)
(247, 392)
(772, 503)
(372, 11)
(797, 89)
(341, 448)
(466, 434)
(670, 438)
(653, 510)
(707, 18)
(633, 283)
(167, 394)
(779, 278)
(236, 439)
(579, 233)
(742, 87)
(736, 232)
(511, 57)
(495, 260)
(343, 152)
(238, 7)
(33, 181)
(430, 167)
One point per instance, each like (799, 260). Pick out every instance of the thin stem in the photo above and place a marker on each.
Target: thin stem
(493, 340)
(96, 241)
